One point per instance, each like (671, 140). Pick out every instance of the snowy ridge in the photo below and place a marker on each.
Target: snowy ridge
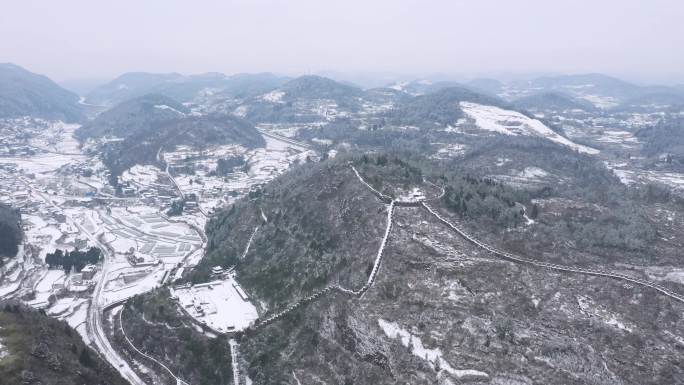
(519, 259)
(514, 123)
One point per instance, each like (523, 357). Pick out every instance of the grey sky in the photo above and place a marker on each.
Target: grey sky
(66, 39)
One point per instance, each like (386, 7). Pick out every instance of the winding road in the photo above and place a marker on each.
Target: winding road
(95, 310)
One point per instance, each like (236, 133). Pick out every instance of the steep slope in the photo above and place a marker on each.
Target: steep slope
(36, 349)
(10, 231)
(443, 308)
(510, 122)
(665, 137)
(23, 93)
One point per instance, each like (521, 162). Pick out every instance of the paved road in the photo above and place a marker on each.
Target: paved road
(94, 317)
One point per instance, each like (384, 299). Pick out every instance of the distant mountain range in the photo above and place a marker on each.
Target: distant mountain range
(601, 91)
(181, 87)
(553, 101)
(24, 93)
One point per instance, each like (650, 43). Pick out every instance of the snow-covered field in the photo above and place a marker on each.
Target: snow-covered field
(507, 122)
(221, 305)
(631, 176)
(624, 138)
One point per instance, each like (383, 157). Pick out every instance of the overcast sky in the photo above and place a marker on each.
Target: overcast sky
(641, 40)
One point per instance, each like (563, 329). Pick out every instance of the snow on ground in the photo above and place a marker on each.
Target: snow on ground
(448, 150)
(126, 284)
(528, 176)
(273, 96)
(399, 86)
(221, 305)
(514, 123)
(141, 175)
(3, 350)
(51, 283)
(41, 163)
(165, 107)
(603, 102)
(590, 308)
(533, 173)
(632, 176)
(623, 138)
(393, 330)
(9, 289)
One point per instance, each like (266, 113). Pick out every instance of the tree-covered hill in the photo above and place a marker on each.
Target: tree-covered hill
(36, 349)
(10, 231)
(146, 124)
(23, 93)
(133, 116)
(483, 317)
(440, 108)
(554, 101)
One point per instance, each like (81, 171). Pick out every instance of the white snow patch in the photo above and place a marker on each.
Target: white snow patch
(273, 96)
(221, 305)
(514, 123)
(393, 330)
(165, 107)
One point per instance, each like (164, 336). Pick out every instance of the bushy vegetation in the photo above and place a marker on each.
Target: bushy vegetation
(346, 131)
(75, 259)
(46, 351)
(597, 213)
(227, 165)
(10, 231)
(321, 224)
(667, 136)
(484, 198)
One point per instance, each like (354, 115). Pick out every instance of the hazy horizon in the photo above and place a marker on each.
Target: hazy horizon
(81, 40)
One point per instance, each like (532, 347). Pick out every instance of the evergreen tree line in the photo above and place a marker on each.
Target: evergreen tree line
(75, 260)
